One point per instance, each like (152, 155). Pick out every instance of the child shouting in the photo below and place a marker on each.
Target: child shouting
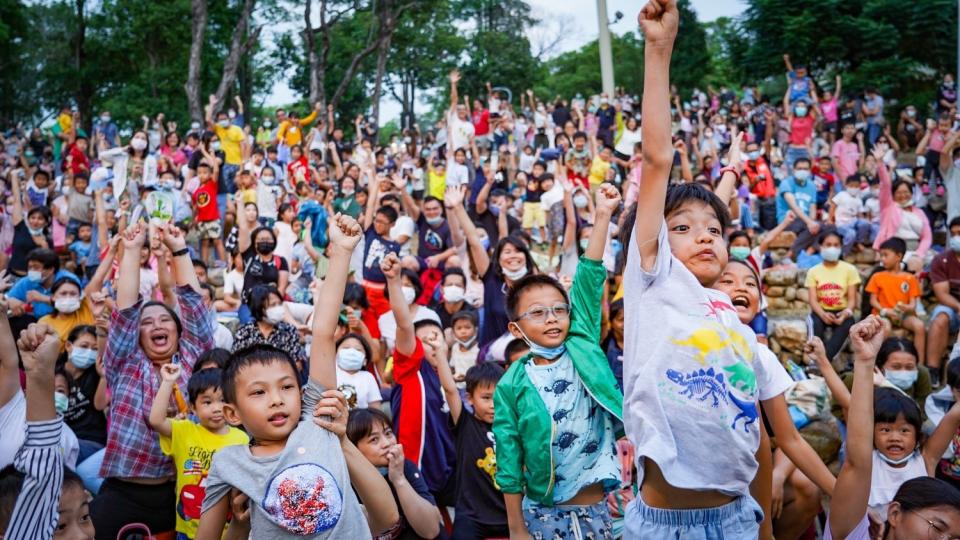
(192, 445)
(559, 408)
(296, 474)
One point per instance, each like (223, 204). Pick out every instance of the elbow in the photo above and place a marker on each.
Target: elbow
(657, 160)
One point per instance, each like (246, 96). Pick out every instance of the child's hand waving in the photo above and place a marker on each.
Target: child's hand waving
(390, 266)
(866, 337)
(345, 232)
(170, 373)
(608, 199)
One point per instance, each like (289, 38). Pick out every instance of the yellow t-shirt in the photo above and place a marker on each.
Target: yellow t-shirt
(598, 170)
(830, 284)
(290, 132)
(64, 323)
(247, 196)
(437, 184)
(230, 139)
(192, 447)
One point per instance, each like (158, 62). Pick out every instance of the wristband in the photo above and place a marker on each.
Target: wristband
(180, 252)
(730, 168)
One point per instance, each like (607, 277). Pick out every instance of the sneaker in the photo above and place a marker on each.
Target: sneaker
(934, 378)
(925, 189)
(940, 191)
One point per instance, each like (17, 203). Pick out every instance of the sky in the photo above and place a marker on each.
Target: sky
(574, 19)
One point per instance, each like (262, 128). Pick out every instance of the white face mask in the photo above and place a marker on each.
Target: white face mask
(223, 123)
(514, 275)
(830, 254)
(274, 315)
(853, 191)
(138, 144)
(409, 294)
(453, 293)
(35, 276)
(67, 305)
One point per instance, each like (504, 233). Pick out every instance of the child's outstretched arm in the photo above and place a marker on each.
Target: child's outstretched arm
(345, 234)
(938, 442)
(658, 20)
(40, 459)
(608, 200)
(169, 374)
(406, 342)
(852, 487)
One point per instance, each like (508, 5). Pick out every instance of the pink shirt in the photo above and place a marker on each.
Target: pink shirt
(829, 110)
(847, 155)
(937, 140)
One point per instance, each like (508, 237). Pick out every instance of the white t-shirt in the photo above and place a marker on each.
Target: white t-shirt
(552, 197)
(267, 200)
(364, 386)
(459, 132)
(886, 479)
(772, 377)
(849, 208)
(148, 282)
(285, 240)
(233, 282)
(457, 174)
(627, 140)
(461, 361)
(388, 324)
(404, 226)
(951, 181)
(222, 337)
(13, 427)
(689, 381)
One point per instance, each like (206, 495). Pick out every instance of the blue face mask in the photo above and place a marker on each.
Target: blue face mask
(61, 402)
(901, 379)
(434, 221)
(82, 357)
(547, 353)
(954, 244)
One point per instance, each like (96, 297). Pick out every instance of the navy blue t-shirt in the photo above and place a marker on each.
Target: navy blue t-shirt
(375, 248)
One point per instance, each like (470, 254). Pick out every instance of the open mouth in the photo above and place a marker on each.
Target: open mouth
(740, 301)
(278, 419)
(553, 332)
(160, 339)
(895, 449)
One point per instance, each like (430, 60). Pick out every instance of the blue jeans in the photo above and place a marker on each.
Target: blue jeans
(736, 520)
(873, 132)
(244, 314)
(950, 313)
(87, 449)
(860, 231)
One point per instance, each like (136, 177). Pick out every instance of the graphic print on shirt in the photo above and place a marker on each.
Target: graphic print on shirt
(489, 461)
(830, 295)
(715, 385)
(303, 499)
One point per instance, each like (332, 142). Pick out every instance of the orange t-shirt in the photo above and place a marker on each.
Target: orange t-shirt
(893, 287)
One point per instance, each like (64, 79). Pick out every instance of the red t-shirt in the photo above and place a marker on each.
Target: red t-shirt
(205, 200)
(298, 171)
(481, 122)
(801, 129)
(78, 160)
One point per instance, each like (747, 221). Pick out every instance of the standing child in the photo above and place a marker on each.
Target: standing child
(559, 408)
(480, 509)
(894, 293)
(689, 384)
(465, 349)
(296, 474)
(207, 212)
(190, 444)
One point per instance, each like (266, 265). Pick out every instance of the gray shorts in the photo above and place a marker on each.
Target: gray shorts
(569, 521)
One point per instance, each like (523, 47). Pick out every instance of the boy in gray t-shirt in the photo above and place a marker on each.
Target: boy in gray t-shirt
(295, 472)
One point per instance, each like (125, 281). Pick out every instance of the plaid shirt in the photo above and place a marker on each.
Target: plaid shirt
(133, 448)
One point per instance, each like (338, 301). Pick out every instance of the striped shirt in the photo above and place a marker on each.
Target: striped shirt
(40, 459)
(133, 448)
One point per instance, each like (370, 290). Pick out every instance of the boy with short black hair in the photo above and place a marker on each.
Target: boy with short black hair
(689, 384)
(192, 444)
(206, 211)
(558, 408)
(480, 508)
(296, 474)
(894, 293)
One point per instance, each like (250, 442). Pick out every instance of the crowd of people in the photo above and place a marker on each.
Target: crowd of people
(543, 319)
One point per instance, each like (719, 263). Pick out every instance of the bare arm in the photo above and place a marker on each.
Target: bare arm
(128, 280)
(17, 215)
(795, 447)
(406, 342)
(659, 26)
(938, 442)
(453, 200)
(381, 511)
(9, 370)
(841, 396)
(158, 411)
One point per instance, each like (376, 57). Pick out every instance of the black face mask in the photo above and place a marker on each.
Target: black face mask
(265, 248)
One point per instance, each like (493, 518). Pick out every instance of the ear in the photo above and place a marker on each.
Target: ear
(514, 329)
(231, 414)
(894, 514)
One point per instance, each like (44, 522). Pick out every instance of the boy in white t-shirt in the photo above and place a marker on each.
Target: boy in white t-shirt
(847, 212)
(689, 383)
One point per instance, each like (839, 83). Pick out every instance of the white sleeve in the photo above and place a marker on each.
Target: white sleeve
(370, 389)
(772, 378)
(661, 267)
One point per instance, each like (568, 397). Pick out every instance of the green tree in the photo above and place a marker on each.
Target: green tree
(578, 72)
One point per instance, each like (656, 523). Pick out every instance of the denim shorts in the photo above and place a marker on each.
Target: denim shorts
(950, 313)
(569, 521)
(736, 520)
